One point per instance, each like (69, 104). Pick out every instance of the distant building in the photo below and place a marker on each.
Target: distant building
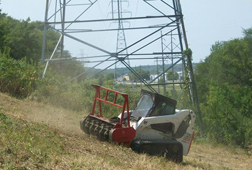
(126, 77)
(121, 78)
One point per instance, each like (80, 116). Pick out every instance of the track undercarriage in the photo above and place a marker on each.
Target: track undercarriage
(172, 150)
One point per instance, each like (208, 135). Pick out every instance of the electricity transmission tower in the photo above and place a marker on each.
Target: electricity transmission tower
(117, 12)
(157, 33)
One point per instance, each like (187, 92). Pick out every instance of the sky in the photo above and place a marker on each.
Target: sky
(206, 21)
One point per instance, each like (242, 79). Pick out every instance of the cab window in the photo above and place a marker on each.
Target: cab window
(163, 108)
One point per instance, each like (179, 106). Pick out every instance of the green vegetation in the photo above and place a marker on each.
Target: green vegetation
(20, 68)
(224, 79)
(144, 74)
(171, 76)
(224, 82)
(18, 78)
(27, 145)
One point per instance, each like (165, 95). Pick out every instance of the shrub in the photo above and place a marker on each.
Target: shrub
(18, 77)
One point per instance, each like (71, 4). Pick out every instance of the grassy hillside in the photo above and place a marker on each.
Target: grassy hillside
(38, 136)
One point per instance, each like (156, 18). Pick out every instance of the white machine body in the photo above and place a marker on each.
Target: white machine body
(156, 119)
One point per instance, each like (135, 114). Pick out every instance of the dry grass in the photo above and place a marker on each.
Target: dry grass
(85, 152)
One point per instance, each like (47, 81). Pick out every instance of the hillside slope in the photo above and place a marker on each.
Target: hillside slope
(80, 151)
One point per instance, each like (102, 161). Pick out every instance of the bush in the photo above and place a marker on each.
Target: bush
(225, 122)
(18, 77)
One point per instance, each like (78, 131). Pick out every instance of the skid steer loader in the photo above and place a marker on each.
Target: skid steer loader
(154, 127)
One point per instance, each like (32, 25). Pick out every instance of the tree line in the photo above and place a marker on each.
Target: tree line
(20, 54)
(224, 83)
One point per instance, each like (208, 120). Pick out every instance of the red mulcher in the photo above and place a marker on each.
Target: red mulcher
(104, 129)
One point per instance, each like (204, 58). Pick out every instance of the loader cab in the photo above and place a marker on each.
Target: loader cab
(153, 104)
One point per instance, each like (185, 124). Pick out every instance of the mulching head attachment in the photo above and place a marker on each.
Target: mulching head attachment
(117, 131)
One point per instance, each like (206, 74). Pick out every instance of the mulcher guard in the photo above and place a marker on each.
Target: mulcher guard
(104, 129)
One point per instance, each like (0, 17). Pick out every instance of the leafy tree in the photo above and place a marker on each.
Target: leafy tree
(224, 82)
(144, 74)
(20, 37)
(20, 52)
(24, 38)
(171, 76)
(111, 75)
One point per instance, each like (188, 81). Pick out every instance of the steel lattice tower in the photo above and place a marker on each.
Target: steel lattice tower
(117, 12)
(158, 33)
